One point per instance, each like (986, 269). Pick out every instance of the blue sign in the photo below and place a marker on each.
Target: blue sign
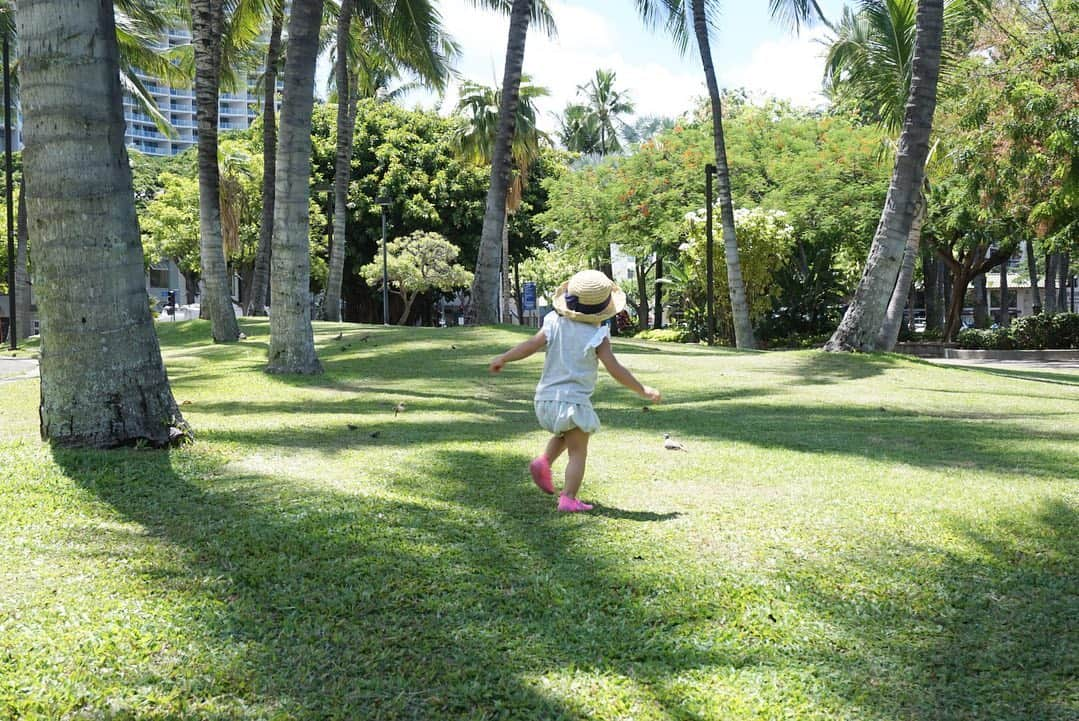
(529, 296)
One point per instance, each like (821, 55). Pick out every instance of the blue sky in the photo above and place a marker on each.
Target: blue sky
(749, 51)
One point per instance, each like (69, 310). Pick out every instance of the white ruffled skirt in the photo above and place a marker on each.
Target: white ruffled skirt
(557, 417)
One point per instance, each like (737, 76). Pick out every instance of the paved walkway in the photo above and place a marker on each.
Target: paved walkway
(17, 369)
(1068, 366)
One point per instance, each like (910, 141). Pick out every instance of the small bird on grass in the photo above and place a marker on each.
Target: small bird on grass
(339, 336)
(375, 434)
(672, 445)
(453, 347)
(352, 427)
(399, 408)
(645, 409)
(243, 336)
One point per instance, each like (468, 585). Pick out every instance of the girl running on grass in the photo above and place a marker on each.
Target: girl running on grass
(575, 339)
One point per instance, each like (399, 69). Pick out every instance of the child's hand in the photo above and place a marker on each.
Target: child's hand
(652, 394)
(497, 364)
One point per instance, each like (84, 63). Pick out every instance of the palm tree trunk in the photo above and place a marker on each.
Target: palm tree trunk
(889, 332)
(22, 270)
(507, 316)
(1032, 268)
(485, 285)
(292, 344)
(743, 328)
(103, 383)
(861, 324)
(206, 28)
(346, 99)
(260, 280)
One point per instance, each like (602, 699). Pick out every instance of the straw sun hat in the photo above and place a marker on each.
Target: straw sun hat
(589, 296)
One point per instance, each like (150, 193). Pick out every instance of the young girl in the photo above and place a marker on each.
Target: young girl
(575, 340)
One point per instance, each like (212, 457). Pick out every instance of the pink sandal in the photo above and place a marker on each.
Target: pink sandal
(541, 474)
(572, 505)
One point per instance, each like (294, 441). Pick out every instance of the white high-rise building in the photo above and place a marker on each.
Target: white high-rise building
(236, 109)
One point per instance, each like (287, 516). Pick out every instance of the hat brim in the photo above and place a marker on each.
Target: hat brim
(615, 306)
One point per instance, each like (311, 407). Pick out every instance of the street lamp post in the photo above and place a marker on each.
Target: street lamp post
(709, 173)
(12, 330)
(384, 203)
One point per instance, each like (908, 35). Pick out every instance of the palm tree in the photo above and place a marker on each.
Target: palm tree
(103, 383)
(606, 104)
(891, 54)
(678, 16)
(579, 129)
(477, 140)
(292, 345)
(485, 290)
(207, 28)
(369, 55)
(260, 279)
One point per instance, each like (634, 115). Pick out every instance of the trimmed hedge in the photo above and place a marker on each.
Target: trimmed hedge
(1030, 332)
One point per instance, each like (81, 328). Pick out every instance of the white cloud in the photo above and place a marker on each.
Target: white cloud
(791, 68)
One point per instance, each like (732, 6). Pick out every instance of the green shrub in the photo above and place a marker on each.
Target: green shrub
(988, 339)
(664, 335)
(1064, 330)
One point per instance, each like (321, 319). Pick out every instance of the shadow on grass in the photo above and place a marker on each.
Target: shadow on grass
(986, 633)
(1065, 377)
(337, 606)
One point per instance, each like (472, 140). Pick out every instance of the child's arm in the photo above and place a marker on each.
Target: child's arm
(519, 351)
(621, 374)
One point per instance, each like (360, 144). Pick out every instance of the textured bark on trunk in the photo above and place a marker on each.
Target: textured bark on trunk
(981, 302)
(22, 270)
(861, 323)
(207, 24)
(485, 285)
(346, 115)
(103, 383)
(1032, 268)
(292, 344)
(504, 271)
(743, 328)
(1004, 317)
(893, 318)
(260, 279)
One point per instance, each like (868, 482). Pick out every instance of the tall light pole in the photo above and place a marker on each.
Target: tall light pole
(709, 173)
(384, 203)
(12, 331)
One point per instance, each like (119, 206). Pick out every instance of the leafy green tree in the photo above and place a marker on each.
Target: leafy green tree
(416, 263)
(578, 130)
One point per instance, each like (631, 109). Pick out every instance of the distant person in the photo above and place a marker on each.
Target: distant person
(575, 340)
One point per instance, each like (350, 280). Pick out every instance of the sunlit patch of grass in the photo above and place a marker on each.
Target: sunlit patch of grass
(847, 537)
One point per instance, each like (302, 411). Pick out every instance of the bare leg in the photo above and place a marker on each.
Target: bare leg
(555, 446)
(577, 444)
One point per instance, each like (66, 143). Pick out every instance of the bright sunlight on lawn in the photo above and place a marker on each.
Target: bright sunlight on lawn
(847, 537)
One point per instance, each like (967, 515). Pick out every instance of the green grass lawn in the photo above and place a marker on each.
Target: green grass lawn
(848, 537)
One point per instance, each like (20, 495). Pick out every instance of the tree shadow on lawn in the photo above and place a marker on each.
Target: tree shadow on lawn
(986, 632)
(321, 605)
(1064, 377)
(933, 441)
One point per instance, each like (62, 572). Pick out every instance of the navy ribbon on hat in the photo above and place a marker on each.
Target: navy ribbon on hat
(574, 303)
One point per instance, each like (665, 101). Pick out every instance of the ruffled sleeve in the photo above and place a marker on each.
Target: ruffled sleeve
(602, 333)
(549, 321)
